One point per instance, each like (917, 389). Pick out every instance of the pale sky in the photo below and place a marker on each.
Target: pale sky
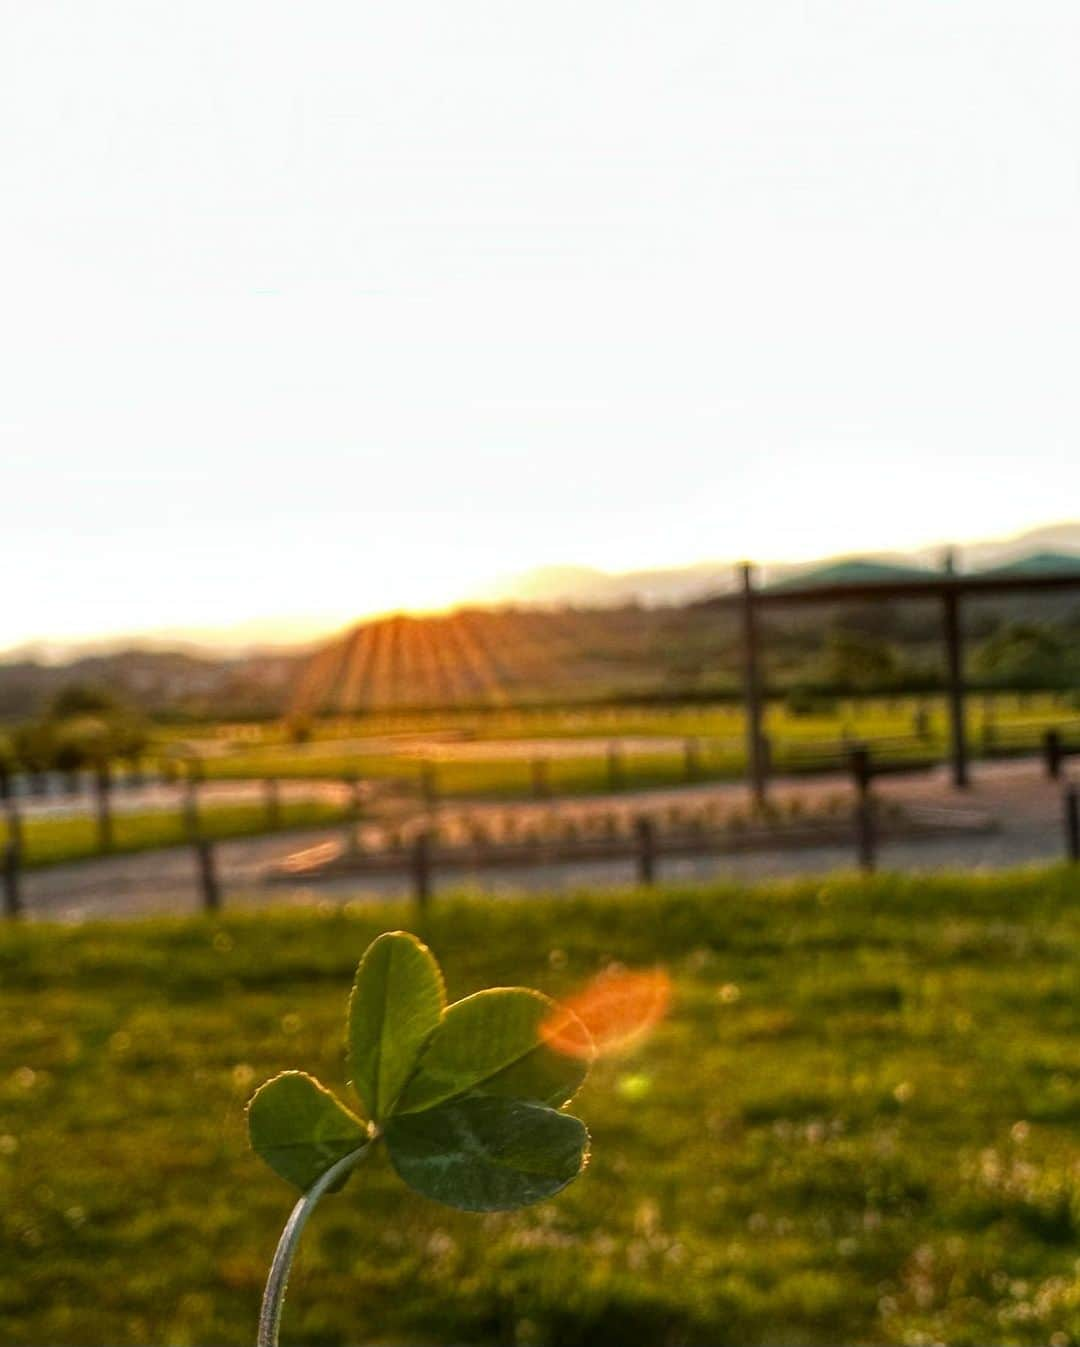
(328, 308)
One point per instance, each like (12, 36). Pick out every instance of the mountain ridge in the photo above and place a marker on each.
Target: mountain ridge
(545, 587)
(589, 586)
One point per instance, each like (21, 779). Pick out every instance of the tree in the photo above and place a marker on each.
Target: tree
(858, 663)
(83, 699)
(1022, 654)
(84, 724)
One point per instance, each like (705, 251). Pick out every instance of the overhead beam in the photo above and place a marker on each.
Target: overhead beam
(930, 588)
(949, 587)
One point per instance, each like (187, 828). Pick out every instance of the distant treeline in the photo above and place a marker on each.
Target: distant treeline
(480, 659)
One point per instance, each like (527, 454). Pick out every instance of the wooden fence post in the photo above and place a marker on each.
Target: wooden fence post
(421, 870)
(208, 880)
(1053, 754)
(12, 894)
(103, 787)
(11, 809)
(646, 855)
(1072, 823)
(865, 832)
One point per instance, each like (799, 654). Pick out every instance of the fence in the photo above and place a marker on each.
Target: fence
(690, 759)
(103, 786)
(711, 758)
(1056, 750)
(420, 851)
(649, 840)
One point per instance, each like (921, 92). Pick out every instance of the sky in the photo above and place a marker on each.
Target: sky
(309, 311)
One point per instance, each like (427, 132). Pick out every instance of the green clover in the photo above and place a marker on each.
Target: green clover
(467, 1098)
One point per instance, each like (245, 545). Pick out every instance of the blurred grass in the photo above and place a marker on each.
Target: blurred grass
(801, 743)
(872, 714)
(857, 1125)
(51, 841)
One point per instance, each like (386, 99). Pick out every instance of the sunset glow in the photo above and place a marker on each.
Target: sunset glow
(308, 321)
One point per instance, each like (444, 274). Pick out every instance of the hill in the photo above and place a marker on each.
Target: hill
(486, 657)
(588, 587)
(517, 655)
(157, 682)
(640, 634)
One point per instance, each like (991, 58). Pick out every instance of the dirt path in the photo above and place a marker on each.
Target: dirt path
(1017, 794)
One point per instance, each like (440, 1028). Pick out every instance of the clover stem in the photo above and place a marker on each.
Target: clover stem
(278, 1279)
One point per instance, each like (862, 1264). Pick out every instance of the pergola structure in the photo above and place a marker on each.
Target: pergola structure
(868, 581)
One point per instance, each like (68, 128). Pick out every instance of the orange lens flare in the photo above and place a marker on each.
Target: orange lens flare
(617, 1008)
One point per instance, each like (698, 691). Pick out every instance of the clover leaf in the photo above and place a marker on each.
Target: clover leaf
(493, 1044)
(300, 1129)
(396, 1004)
(467, 1097)
(487, 1154)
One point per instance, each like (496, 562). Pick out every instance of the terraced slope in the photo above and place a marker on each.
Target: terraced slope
(485, 657)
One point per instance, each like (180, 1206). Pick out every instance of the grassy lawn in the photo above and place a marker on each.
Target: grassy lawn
(858, 1124)
(872, 715)
(801, 743)
(50, 841)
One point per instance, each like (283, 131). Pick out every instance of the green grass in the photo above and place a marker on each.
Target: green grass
(51, 841)
(875, 715)
(488, 779)
(858, 1124)
(800, 743)
(257, 752)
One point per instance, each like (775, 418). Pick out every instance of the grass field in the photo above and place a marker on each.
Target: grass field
(799, 743)
(868, 715)
(51, 841)
(512, 779)
(858, 1124)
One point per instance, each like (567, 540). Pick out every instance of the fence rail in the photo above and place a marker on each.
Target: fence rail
(421, 849)
(419, 852)
(692, 758)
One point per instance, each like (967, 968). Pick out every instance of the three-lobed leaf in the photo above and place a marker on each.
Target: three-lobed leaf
(300, 1129)
(396, 1005)
(486, 1153)
(494, 1043)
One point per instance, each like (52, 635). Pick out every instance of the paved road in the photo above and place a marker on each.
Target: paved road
(1026, 805)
